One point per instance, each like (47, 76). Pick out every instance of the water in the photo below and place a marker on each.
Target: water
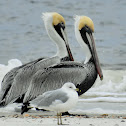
(23, 38)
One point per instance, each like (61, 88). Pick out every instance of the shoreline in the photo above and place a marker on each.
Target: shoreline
(50, 119)
(51, 114)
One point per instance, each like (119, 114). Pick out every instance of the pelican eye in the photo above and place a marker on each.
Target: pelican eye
(87, 29)
(58, 29)
(62, 25)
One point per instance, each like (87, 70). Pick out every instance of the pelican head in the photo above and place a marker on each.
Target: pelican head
(84, 28)
(55, 27)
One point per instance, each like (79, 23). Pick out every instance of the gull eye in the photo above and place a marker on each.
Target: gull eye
(70, 87)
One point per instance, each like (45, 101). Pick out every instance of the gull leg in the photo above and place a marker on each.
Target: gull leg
(60, 119)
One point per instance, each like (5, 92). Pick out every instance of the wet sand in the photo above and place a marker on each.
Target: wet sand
(34, 119)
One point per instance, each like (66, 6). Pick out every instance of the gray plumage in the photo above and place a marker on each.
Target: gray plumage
(9, 78)
(49, 97)
(22, 79)
(55, 76)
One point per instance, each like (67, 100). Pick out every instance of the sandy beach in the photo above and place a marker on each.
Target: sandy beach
(23, 38)
(34, 119)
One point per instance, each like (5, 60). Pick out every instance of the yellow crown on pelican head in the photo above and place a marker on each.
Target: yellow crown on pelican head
(57, 18)
(86, 21)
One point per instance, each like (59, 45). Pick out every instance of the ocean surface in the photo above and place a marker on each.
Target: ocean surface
(23, 38)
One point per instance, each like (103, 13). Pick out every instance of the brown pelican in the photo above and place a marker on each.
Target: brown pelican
(16, 82)
(83, 75)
